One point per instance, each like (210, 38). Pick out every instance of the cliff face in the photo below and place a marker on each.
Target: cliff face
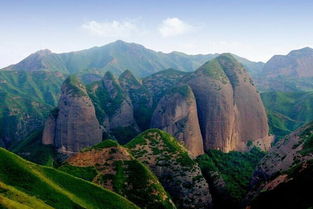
(176, 113)
(230, 110)
(73, 125)
(172, 164)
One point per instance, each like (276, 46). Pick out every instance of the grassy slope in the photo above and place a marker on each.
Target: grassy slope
(55, 188)
(132, 179)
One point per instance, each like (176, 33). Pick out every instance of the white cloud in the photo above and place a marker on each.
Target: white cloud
(173, 27)
(115, 29)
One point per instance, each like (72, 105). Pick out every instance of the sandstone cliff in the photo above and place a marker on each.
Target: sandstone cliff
(176, 113)
(73, 125)
(230, 110)
(172, 164)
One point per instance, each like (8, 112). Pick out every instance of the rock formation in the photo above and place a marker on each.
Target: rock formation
(114, 108)
(230, 110)
(73, 125)
(140, 97)
(172, 164)
(176, 113)
(278, 173)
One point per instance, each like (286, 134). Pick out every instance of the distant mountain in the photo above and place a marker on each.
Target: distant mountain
(116, 57)
(291, 72)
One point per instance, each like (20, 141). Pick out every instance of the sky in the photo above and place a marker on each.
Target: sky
(254, 29)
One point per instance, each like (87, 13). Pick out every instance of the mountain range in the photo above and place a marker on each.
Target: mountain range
(122, 126)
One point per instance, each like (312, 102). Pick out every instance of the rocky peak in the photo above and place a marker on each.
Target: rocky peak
(229, 106)
(73, 125)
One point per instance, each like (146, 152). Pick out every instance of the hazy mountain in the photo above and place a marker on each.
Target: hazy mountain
(116, 57)
(291, 72)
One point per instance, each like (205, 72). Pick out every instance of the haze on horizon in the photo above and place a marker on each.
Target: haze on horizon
(253, 29)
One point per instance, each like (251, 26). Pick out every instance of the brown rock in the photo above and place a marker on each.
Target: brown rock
(75, 125)
(230, 110)
(176, 114)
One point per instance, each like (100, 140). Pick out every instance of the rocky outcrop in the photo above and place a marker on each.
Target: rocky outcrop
(73, 125)
(114, 108)
(230, 110)
(176, 113)
(279, 165)
(113, 167)
(140, 97)
(174, 167)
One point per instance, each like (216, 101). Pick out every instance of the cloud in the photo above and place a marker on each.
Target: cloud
(173, 27)
(115, 29)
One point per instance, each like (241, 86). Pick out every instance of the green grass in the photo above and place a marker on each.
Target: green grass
(55, 188)
(130, 178)
(104, 144)
(75, 86)
(33, 150)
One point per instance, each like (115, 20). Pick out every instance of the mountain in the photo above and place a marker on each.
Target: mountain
(115, 57)
(230, 110)
(172, 164)
(73, 124)
(283, 175)
(26, 98)
(113, 167)
(26, 185)
(176, 113)
(291, 72)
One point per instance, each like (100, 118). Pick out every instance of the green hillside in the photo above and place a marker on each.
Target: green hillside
(287, 110)
(26, 98)
(120, 172)
(34, 186)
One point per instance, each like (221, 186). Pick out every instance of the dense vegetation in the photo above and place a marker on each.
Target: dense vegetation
(42, 186)
(25, 100)
(235, 168)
